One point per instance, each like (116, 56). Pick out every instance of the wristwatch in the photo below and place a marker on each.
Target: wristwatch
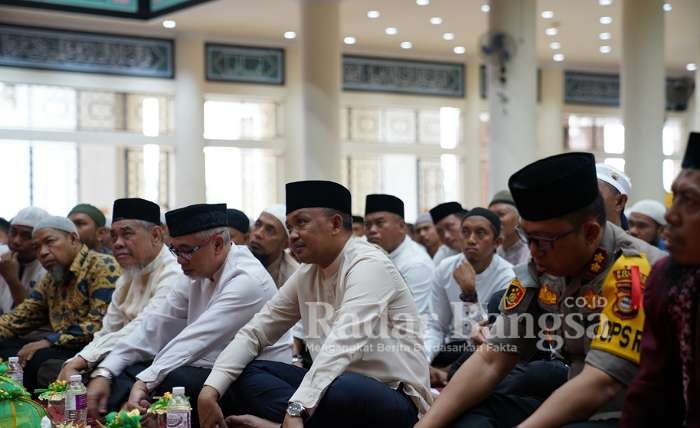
(297, 410)
(469, 297)
(101, 372)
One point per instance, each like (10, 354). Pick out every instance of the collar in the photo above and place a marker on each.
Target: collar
(155, 263)
(77, 265)
(402, 246)
(332, 269)
(217, 275)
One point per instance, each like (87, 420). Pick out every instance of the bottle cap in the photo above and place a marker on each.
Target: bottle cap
(76, 378)
(13, 359)
(179, 390)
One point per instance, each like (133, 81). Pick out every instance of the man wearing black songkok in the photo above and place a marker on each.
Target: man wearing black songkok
(666, 390)
(359, 376)
(583, 269)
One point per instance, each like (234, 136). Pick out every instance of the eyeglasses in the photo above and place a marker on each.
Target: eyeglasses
(187, 253)
(543, 243)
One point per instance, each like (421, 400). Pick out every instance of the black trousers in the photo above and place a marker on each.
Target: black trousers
(10, 348)
(265, 387)
(507, 410)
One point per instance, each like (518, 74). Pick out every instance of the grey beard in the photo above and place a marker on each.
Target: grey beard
(57, 273)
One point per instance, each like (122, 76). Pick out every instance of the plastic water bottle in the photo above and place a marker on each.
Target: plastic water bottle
(14, 370)
(76, 401)
(178, 411)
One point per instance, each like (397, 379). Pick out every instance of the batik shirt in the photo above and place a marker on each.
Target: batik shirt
(73, 308)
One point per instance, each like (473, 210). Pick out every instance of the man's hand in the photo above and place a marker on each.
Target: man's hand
(9, 267)
(72, 367)
(138, 399)
(480, 337)
(97, 396)
(438, 377)
(465, 277)
(27, 352)
(210, 414)
(292, 422)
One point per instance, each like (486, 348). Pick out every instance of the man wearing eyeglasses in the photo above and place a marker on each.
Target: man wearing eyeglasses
(149, 272)
(581, 290)
(183, 335)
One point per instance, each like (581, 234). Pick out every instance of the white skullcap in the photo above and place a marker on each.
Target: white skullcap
(108, 221)
(614, 177)
(650, 208)
(29, 217)
(56, 222)
(424, 218)
(279, 211)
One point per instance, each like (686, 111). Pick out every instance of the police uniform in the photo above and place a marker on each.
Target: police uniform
(595, 318)
(606, 286)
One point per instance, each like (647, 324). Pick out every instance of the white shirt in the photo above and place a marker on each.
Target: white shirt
(417, 270)
(517, 254)
(442, 253)
(135, 296)
(31, 274)
(361, 287)
(442, 326)
(198, 319)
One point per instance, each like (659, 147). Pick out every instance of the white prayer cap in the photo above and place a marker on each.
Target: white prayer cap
(108, 221)
(55, 222)
(279, 211)
(614, 177)
(650, 208)
(424, 218)
(29, 217)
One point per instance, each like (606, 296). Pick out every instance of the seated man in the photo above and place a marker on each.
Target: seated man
(375, 376)
(426, 234)
(90, 223)
(614, 187)
(447, 218)
(20, 270)
(201, 314)
(513, 249)
(358, 226)
(268, 242)
(150, 271)
(385, 226)
(4, 231)
(647, 222)
(72, 298)
(666, 390)
(463, 287)
(581, 267)
(238, 226)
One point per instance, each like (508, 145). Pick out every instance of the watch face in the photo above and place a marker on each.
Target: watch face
(295, 409)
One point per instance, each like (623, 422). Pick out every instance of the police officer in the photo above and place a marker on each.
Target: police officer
(582, 290)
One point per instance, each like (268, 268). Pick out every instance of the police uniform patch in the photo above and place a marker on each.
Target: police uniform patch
(546, 296)
(514, 295)
(622, 317)
(597, 264)
(594, 301)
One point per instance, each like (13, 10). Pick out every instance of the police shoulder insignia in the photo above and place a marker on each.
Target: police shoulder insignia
(547, 296)
(514, 295)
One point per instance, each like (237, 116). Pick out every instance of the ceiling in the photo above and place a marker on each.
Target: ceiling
(264, 21)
